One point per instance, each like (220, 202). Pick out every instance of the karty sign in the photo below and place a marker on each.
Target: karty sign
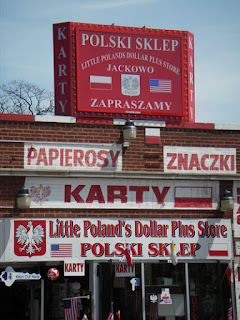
(124, 270)
(199, 160)
(62, 156)
(74, 268)
(80, 239)
(123, 70)
(122, 193)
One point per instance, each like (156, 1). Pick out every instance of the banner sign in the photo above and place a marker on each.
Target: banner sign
(79, 239)
(110, 193)
(123, 70)
(199, 160)
(62, 156)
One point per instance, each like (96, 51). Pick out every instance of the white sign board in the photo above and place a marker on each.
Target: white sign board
(72, 156)
(77, 239)
(74, 268)
(202, 160)
(100, 193)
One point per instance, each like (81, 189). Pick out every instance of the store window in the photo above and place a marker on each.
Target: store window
(66, 287)
(165, 291)
(119, 291)
(210, 292)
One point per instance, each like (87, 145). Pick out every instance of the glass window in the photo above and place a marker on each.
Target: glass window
(165, 291)
(210, 291)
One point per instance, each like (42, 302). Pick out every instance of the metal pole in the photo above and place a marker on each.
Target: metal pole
(187, 291)
(143, 291)
(42, 300)
(94, 285)
(233, 291)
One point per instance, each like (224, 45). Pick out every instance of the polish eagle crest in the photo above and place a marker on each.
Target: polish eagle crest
(40, 194)
(30, 237)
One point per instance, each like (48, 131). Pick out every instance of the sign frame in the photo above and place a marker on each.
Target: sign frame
(69, 55)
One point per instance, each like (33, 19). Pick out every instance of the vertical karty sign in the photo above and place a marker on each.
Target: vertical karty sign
(123, 70)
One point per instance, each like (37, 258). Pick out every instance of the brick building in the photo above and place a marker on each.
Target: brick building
(97, 196)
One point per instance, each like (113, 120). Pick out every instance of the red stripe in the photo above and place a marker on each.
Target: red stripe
(193, 203)
(101, 86)
(214, 253)
(152, 139)
(17, 117)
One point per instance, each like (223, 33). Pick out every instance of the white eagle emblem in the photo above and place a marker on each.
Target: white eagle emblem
(130, 84)
(30, 237)
(40, 194)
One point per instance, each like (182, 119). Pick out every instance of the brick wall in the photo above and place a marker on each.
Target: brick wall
(139, 156)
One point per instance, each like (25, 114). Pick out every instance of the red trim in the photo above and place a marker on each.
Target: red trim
(214, 253)
(17, 117)
(95, 121)
(191, 125)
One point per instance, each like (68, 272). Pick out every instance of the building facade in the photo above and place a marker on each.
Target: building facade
(95, 199)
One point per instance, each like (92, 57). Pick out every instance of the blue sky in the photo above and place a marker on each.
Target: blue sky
(26, 42)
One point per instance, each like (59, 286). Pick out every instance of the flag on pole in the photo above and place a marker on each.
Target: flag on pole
(128, 254)
(173, 258)
(229, 274)
(118, 314)
(70, 309)
(111, 315)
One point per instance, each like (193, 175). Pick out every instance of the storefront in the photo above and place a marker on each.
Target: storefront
(178, 268)
(126, 224)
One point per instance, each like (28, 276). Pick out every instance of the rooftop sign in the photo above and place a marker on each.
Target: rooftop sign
(123, 70)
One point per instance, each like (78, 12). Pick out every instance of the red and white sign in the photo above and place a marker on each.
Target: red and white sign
(29, 238)
(123, 70)
(108, 238)
(74, 268)
(113, 193)
(62, 156)
(204, 160)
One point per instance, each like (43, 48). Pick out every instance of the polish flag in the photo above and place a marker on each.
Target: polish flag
(128, 254)
(193, 197)
(100, 83)
(152, 135)
(218, 249)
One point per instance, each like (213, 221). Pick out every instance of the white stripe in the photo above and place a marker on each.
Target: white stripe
(193, 192)
(218, 247)
(100, 79)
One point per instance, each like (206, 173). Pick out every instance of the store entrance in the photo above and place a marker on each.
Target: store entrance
(119, 291)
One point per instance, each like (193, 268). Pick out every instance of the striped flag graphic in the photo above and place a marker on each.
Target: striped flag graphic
(61, 250)
(218, 249)
(160, 86)
(100, 82)
(193, 197)
(70, 307)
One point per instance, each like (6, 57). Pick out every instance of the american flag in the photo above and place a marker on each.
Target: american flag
(160, 85)
(61, 250)
(111, 315)
(70, 309)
